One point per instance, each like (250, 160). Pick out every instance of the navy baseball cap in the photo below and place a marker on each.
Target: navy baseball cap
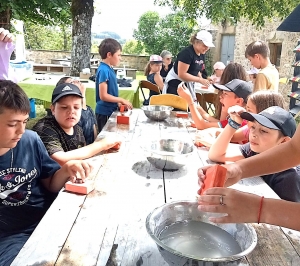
(65, 89)
(274, 117)
(239, 87)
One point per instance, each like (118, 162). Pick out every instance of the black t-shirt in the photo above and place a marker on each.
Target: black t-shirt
(55, 138)
(164, 72)
(196, 62)
(286, 184)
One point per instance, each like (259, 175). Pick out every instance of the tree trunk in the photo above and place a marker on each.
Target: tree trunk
(5, 17)
(82, 15)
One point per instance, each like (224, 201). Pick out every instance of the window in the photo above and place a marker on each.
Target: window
(275, 53)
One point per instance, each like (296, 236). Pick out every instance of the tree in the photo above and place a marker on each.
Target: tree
(169, 33)
(43, 12)
(82, 15)
(132, 47)
(47, 37)
(256, 11)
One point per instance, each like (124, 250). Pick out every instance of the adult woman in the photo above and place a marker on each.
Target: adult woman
(167, 63)
(190, 64)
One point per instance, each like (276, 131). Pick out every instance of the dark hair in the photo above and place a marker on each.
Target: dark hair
(233, 71)
(257, 47)
(63, 80)
(265, 99)
(13, 97)
(109, 45)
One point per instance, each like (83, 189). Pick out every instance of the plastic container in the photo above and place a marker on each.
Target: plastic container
(32, 113)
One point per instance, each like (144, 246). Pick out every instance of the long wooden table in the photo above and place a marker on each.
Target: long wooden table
(107, 227)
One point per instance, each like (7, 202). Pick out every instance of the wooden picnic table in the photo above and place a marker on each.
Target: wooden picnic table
(107, 227)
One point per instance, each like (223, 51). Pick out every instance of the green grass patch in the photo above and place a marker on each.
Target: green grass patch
(40, 112)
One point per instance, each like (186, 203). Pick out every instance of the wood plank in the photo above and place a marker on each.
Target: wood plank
(60, 217)
(143, 191)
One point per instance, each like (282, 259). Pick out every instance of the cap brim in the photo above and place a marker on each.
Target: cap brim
(65, 94)
(221, 87)
(260, 119)
(209, 44)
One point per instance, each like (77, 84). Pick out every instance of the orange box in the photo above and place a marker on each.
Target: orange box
(123, 119)
(83, 188)
(215, 177)
(182, 114)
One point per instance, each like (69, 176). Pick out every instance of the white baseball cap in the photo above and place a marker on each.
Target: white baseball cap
(219, 65)
(205, 37)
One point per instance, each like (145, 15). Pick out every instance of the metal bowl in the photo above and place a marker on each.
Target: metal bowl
(157, 112)
(185, 236)
(168, 154)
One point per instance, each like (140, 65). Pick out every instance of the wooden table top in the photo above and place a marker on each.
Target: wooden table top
(107, 226)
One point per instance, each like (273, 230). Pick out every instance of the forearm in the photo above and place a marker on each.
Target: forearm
(281, 212)
(58, 180)
(78, 154)
(196, 116)
(110, 98)
(205, 115)
(188, 77)
(274, 160)
(218, 150)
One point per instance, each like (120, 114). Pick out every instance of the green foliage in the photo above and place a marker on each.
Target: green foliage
(43, 12)
(133, 47)
(47, 37)
(256, 11)
(171, 32)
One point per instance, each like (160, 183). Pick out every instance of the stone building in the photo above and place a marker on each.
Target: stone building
(281, 45)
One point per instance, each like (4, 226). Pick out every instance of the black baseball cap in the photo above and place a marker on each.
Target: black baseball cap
(239, 87)
(63, 90)
(274, 117)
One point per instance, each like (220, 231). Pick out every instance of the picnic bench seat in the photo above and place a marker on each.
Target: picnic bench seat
(130, 72)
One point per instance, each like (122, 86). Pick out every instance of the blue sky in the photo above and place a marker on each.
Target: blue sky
(121, 16)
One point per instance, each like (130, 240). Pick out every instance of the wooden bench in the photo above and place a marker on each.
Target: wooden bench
(130, 72)
(50, 68)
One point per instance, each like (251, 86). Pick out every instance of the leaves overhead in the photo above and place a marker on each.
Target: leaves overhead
(44, 12)
(256, 11)
(171, 32)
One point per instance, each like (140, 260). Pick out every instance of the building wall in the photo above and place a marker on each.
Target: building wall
(45, 56)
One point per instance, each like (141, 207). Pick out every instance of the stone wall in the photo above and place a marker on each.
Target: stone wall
(45, 56)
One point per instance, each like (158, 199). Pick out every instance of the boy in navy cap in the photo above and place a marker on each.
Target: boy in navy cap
(268, 129)
(62, 137)
(234, 92)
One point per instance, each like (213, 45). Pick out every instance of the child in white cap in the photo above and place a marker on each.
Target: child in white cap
(218, 71)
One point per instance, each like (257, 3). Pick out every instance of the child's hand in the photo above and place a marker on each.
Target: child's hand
(184, 93)
(111, 141)
(78, 169)
(235, 112)
(127, 103)
(5, 35)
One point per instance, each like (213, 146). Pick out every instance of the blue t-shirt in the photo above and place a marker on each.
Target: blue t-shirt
(106, 74)
(87, 122)
(23, 198)
(150, 78)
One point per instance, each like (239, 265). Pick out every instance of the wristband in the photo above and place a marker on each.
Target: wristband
(260, 208)
(233, 124)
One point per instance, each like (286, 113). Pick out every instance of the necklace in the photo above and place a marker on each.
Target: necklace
(12, 158)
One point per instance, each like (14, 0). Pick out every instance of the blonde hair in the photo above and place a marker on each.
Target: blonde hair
(265, 99)
(193, 38)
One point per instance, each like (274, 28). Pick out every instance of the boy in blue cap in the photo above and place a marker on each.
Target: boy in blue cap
(268, 129)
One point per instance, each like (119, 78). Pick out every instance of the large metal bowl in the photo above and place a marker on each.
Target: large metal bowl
(168, 154)
(208, 236)
(157, 112)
